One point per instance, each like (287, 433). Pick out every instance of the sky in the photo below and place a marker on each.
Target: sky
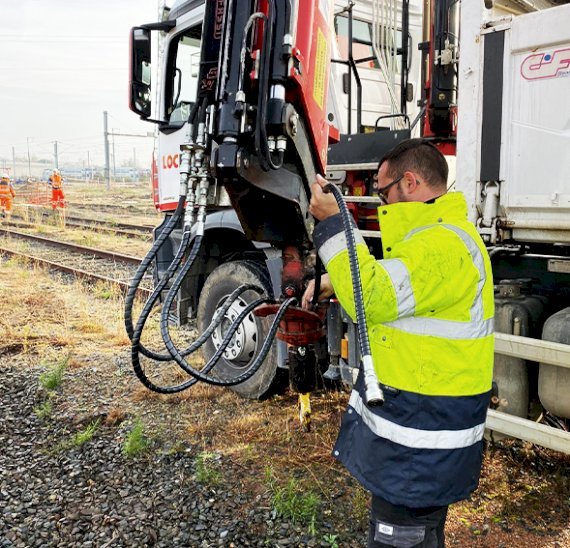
(62, 63)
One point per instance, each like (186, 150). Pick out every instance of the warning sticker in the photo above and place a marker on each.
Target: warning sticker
(320, 69)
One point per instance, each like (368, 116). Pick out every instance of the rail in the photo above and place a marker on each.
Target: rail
(77, 272)
(97, 225)
(118, 257)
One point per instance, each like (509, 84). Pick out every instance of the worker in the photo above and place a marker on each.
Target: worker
(57, 197)
(7, 195)
(429, 309)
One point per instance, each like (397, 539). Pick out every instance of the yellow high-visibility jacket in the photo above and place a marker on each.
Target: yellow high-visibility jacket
(429, 307)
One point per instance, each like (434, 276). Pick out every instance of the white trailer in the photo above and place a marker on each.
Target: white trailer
(513, 164)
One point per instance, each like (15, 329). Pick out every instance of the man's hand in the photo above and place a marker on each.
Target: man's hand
(325, 292)
(322, 205)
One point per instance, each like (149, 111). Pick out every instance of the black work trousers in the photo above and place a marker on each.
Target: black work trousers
(405, 527)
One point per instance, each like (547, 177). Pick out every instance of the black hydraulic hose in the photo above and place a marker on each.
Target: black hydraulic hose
(252, 369)
(216, 320)
(197, 109)
(354, 271)
(255, 365)
(135, 339)
(318, 274)
(373, 393)
(261, 141)
(146, 262)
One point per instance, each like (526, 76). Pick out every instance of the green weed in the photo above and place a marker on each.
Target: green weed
(206, 472)
(44, 410)
(330, 539)
(135, 441)
(293, 502)
(86, 435)
(52, 379)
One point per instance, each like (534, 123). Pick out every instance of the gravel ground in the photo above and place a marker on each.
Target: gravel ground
(93, 496)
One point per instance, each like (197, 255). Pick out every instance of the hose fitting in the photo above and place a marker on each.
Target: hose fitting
(373, 393)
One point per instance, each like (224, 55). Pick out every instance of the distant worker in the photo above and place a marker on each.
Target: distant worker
(57, 197)
(6, 195)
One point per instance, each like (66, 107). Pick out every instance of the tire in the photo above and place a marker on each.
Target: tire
(246, 344)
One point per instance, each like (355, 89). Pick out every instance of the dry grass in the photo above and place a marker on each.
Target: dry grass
(39, 313)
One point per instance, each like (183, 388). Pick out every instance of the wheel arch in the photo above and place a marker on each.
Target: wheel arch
(224, 241)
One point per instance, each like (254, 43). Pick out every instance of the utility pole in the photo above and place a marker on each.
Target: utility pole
(29, 162)
(14, 163)
(106, 137)
(55, 158)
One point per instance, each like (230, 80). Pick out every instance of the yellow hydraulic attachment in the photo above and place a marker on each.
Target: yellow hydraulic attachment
(305, 411)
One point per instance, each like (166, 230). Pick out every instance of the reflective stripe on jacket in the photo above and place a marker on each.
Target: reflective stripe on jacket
(429, 306)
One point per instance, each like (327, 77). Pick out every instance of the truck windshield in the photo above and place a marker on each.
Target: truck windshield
(180, 85)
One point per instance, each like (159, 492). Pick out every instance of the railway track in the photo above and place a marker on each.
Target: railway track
(98, 225)
(114, 208)
(83, 262)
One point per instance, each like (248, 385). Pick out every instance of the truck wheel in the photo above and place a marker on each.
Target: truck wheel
(249, 338)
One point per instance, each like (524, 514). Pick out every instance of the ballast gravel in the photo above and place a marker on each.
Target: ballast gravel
(91, 495)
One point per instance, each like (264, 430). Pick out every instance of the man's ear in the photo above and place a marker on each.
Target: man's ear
(410, 182)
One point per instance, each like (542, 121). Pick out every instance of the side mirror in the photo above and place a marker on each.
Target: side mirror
(140, 85)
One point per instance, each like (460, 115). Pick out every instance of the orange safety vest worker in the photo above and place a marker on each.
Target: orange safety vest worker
(6, 194)
(57, 197)
(56, 181)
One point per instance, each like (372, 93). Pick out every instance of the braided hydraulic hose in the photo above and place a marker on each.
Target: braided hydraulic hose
(150, 302)
(146, 262)
(216, 320)
(255, 365)
(372, 393)
(198, 109)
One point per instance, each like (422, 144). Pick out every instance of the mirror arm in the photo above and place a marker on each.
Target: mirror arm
(160, 25)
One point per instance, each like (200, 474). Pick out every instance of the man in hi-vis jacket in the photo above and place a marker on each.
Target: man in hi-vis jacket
(429, 308)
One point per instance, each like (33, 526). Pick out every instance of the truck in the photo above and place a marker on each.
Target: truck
(485, 83)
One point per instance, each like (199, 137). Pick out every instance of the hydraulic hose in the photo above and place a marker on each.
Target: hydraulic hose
(216, 320)
(261, 140)
(146, 262)
(317, 289)
(255, 365)
(197, 110)
(372, 392)
(135, 339)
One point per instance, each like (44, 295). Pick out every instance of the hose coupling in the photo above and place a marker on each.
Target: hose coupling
(373, 395)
